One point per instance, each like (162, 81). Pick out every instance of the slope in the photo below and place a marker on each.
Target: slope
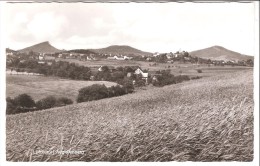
(210, 119)
(219, 53)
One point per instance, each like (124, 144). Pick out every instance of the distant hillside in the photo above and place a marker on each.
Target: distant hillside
(44, 47)
(220, 53)
(121, 49)
(82, 51)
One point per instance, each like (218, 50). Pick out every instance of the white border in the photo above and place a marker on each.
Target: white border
(2, 110)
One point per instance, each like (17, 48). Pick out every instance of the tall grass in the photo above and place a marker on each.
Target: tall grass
(210, 119)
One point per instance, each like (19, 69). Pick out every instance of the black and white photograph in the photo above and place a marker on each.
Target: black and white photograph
(171, 82)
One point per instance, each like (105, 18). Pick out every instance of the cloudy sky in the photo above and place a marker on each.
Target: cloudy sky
(162, 27)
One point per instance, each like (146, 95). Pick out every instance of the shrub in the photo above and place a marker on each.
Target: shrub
(21, 103)
(199, 70)
(140, 83)
(181, 78)
(116, 91)
(194, 78)
(47, 102)
(11, 106)
(93, 92)
(96, 91)
(24, 100)
(62, 101)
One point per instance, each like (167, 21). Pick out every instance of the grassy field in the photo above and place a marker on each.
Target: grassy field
(210, 119)
(39, 86)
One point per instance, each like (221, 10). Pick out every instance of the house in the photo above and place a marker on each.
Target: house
(187, 58)
(110, 68)
(41, 62)
(119, 58)
(92, 78)
(171, 61)
(49, 58)
(49, 63)
(156, 54)
(41, 57)
(111, 58)
(169, 55)
(127, 58)
(143, 74)
(148, 59)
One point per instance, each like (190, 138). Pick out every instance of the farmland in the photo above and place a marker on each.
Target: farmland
(210, 119)
(176, 68)
(40, 86)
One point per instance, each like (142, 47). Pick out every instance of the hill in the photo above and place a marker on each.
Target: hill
(121, 50)
(219, 53)
(44, 47)
(210, 119)
(81, 51)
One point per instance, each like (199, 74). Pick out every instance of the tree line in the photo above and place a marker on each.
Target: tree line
(25, 103)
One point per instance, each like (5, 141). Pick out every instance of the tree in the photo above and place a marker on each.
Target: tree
(129, 69)
(161, 58)
(128, 85)
(105, 69)
(118, 75)
(186, 54)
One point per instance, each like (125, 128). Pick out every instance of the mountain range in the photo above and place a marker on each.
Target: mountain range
(213, 53)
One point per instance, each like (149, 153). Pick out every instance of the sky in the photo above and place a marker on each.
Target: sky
(151, 27)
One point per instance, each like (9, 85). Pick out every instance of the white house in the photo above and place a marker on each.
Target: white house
(41, 57)
(169, 55)
(127, 58)
(156, 54)
(112, 58)
(119, 58)
(144, 75)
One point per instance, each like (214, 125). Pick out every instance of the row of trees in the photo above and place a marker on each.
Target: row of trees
(166, 78)
(25, 103)
(60, 69)
(96, 92)
(71, 70)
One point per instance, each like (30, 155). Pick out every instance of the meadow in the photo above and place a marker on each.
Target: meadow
(41, 86)
(177, 68)
(210, 119)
